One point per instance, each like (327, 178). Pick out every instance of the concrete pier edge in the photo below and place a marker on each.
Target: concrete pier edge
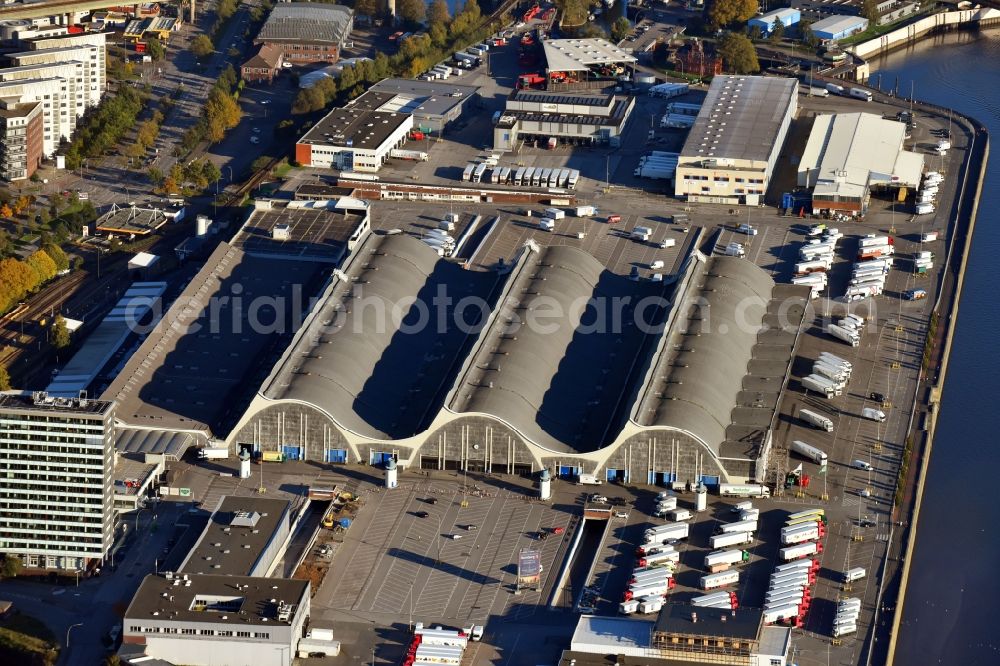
(979, 136)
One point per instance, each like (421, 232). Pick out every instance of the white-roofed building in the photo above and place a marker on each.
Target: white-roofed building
(848, 154)
(731, 150)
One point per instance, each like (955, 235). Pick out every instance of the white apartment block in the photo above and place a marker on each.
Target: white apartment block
(90, 56)
(60, 90)
(93, 39)
(56, 498)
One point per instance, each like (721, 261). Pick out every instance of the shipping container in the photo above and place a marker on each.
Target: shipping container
(799, 551)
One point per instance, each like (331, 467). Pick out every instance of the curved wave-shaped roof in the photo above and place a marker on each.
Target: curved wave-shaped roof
(554, 364)
(705, 358)
(379, 348)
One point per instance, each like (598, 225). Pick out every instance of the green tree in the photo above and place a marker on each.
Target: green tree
(155, 176)
(60, 334)
(720, 13)
(4, 379)
(777, 32)
(365, 7)
(210, 172)
(738, 54)
(620, 29)
(382, 67)
(154, 48)
(412, 11)
(806, 34)
(10, 567)
(869, 9)
(201, 46)
(755, 33)
(260, 163)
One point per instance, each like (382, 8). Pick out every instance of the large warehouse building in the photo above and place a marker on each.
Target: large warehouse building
(307, 32)
(848, 154)
(730, 153)
(473, 393)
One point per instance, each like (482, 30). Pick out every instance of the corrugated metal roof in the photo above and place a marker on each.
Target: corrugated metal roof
(740, 118)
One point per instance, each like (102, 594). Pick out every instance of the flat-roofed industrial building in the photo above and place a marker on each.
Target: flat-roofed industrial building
(357, 137)
(848, 154)
(571, 116)
(731, 151)
(215, 620)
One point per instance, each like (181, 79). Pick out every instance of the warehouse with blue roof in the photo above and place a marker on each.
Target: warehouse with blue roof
(787, 16)
(835, 28)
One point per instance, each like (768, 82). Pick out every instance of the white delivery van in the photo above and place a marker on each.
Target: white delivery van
(873, 414)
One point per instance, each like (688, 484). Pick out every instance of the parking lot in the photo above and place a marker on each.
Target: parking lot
(419, 550)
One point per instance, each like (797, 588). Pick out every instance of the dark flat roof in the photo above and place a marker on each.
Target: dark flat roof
(241, 600)
(741, 623)
(597, 98)
(316, 231)
(196, 370)
(358, 124)
(236, 523)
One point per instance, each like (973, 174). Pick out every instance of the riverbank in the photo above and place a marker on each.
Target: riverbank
(949, 295)
(975, 19)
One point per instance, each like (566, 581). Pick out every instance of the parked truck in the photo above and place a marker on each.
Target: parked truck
(721, 579)
(729, 539)
(738, 526)
(816, 420)
(668, 530)
(213, 453)
(809, 451)
(744, 490)
(844, 335)
(659, 559)
(800, 535)
(779, 613)
(862, 94)
(821, 385)
(586, 211)
(800, 550)
(726, 557)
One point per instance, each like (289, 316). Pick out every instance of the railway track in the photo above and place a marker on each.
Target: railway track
(47, 301)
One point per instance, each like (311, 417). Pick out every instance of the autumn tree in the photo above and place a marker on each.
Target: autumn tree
(738, 54)
(724, 12)
(10, 567)
(57, 255)
(438, 13)
(365, 7)
(412, 11)
(4, 379)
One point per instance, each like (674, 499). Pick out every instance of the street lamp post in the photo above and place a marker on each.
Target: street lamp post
(71, 628)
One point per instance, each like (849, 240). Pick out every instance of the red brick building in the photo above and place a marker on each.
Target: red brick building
(20, 140)
(263, 65)
(694, 59)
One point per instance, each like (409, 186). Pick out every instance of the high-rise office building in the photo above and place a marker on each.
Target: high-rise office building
(56, 500)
